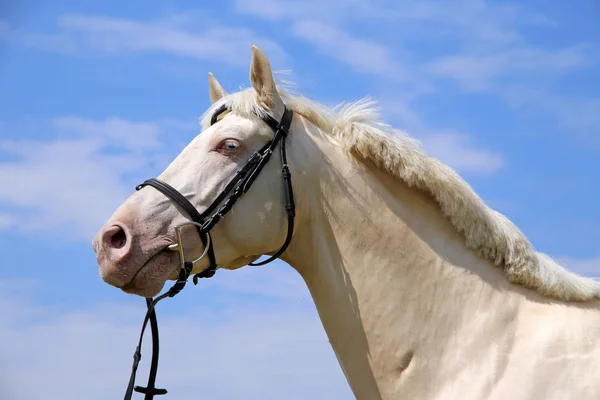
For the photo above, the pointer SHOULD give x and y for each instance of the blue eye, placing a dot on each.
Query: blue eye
(231, 145)
(228, 146)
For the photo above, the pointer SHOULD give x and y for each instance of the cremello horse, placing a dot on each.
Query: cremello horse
(424, 291)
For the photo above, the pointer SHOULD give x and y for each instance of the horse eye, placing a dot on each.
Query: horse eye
(229, 146)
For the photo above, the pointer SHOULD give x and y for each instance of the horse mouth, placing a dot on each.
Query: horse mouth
(152, 275)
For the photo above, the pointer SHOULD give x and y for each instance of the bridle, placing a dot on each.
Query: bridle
(204, 222)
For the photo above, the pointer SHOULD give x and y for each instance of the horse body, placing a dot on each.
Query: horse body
(423, 291)
(412, 313)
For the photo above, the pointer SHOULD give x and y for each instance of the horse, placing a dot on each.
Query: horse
(423, 290)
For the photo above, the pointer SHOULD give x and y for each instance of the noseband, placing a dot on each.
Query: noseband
(204, 222)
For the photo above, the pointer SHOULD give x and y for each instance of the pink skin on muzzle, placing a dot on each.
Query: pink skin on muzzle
(132, 258)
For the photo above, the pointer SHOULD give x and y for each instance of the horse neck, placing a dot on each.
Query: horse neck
(391, 279)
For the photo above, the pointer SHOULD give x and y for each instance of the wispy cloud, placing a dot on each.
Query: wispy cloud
(6, 221)
(484, 72)
(88, 159)
(333, 11)
(543, 20)
(476, 44)
(466, 19)
(4, 27)
(242, 350)
(360, 54)
(454, 148)
(103, 36)
(471, 22)
(587, 267)
(129, 135)
(278, 282)
(578, 116)
(321, 23)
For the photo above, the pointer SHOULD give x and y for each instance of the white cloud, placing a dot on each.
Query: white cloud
(360, 54)
(469, 20)
(543, 21)
(482, 72)
(578, 116)
(332, 11)
(74, 181)
(312, 22)
(6, 221)
(4, 28)
(451, 147)
(581, 115)
(401, 109)
(455, 150)
(98, 36)
(481, 45)
(279, 281)
(241, 350)
(129, 135)
(588, 267)
(474, 22)
(320, 23)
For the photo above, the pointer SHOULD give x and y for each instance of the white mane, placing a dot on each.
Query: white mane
(490, 234)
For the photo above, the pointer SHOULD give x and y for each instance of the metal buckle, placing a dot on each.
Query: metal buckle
(223, 207)
(254, 158)
(178, 246)
(284, 129)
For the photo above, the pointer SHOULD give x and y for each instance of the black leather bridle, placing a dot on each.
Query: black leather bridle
(204, 222)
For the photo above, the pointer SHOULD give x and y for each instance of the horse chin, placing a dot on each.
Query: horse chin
(153, 275)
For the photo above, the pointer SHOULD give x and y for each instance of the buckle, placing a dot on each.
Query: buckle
(284, 129)
(254, 157)
(221, 211)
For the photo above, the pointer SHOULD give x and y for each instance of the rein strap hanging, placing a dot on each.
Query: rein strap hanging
(239, 184)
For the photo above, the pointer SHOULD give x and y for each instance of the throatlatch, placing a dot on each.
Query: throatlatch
(240, 184)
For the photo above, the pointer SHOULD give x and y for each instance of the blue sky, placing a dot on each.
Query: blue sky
(96, 97)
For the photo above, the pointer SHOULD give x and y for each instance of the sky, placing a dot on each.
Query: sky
(97, 96)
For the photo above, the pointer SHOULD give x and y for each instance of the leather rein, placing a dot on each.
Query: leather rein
(204, 222)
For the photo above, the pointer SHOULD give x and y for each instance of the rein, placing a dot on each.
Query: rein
(239, 184)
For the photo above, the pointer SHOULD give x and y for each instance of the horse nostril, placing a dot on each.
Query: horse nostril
(118, 239)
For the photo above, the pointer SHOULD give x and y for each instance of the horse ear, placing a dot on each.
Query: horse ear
(262, 80)
(215, 90)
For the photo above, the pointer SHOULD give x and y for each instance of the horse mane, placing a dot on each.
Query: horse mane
(358, 128)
